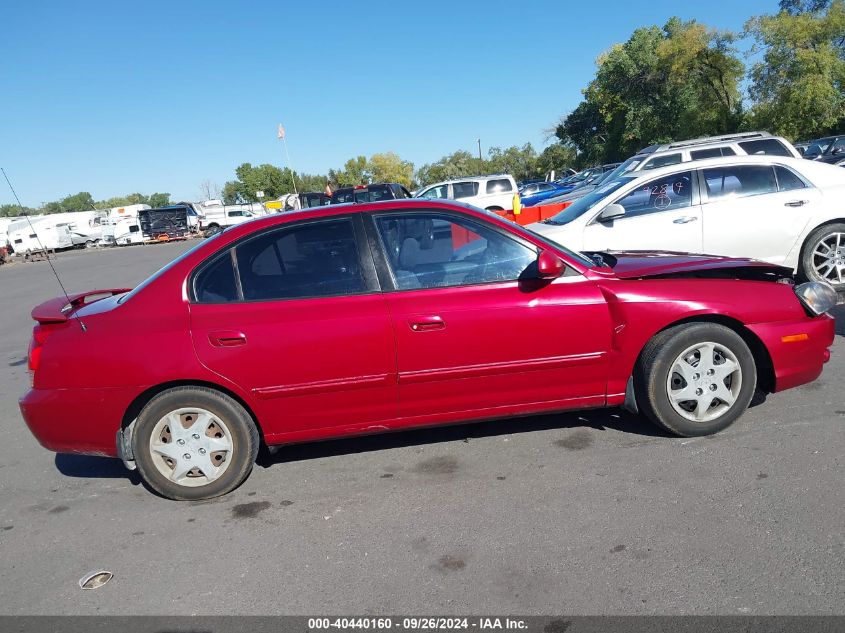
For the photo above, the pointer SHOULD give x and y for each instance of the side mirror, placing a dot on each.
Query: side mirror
(611, 212)
(549, 265)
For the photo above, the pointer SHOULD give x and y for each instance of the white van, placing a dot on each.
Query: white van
(494, 193)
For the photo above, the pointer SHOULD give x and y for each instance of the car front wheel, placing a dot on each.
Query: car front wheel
(194, 443)
(695, 379)
(823, 256)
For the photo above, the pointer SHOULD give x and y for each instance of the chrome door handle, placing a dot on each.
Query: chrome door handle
(685, 219)
(796, 203)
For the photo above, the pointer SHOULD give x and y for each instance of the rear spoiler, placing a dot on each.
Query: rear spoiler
(59, 309)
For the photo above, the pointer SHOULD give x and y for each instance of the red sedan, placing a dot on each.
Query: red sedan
(375, 317)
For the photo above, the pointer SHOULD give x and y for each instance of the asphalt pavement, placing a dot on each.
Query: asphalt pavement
(590, 513)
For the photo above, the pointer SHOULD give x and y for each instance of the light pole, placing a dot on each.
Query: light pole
(478, 140)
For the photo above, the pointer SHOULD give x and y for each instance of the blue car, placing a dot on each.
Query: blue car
(535, 193)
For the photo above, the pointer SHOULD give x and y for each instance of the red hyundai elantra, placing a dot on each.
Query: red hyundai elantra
(366, 318)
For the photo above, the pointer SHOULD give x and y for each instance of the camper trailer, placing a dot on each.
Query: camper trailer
(4, 230)
(37, 234)
(129, 211)
(86, 227)
(122, 232)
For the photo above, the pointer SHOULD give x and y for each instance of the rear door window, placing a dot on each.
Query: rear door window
(768, 146)
(311, 260)
(465, 189)
(788, 181)
(216, 282)
(500, 185)
(440, 191)
(739, 181)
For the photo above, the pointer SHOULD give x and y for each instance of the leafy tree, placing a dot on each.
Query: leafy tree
(13, 210)
(273, 181)
(799, 86)
(794, 7)
(456, 165)
(388, 167)
(678, 81)
(555, 157)
(520, 162)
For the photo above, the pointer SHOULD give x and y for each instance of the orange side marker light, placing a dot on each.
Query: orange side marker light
(794, 338)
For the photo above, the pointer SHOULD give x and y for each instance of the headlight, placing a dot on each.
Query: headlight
(817, 296)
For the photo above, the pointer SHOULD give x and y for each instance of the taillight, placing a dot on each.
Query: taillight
(36, 345)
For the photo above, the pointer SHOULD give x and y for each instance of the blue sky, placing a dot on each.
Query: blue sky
(114, 97)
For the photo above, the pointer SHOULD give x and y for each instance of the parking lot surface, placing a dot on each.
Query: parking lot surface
(582, 513)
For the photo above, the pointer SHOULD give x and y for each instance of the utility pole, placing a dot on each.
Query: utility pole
(478, 140)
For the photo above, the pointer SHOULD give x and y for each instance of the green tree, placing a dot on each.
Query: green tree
(799, 85)
(273, 181)
(794, 7)
(13, 210)
(519, 162)
(555, 157)
(389, 167)
(157, 200)
(674, 82)
(456, 165)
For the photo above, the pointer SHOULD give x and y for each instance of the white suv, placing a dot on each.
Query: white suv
(494, 193)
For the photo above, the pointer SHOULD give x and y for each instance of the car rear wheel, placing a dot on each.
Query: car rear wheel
(695, 379)
(194, 443)
(823, 256)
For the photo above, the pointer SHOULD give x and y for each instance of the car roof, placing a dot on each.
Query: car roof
(705, 140)
(817, 173)
(467, 178)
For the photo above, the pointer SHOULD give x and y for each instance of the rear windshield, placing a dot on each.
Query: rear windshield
(582, 205)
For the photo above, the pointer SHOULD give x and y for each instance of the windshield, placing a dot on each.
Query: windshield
(818, 147)
(629, 165)
(582, 205)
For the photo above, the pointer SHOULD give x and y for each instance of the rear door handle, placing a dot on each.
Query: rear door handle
(427, 324)
(685, 219)
(796, 203)
(227, 338)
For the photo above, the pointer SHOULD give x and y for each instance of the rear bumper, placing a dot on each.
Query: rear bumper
(798, 359)
(77, 420)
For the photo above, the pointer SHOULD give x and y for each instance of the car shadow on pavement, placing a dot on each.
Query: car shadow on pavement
(93, 467)
(599, 419)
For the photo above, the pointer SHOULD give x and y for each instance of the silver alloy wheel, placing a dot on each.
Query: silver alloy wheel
(704, 382)
(191, 447)
(829, 258)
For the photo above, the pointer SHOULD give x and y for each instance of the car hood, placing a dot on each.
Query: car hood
(639, 264)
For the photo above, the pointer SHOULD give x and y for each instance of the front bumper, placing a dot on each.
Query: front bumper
(798, 349)
(82, 421)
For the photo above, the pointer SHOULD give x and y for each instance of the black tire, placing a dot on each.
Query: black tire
(807, 265)
(494, 209)
(653, 368)
(244, 440)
